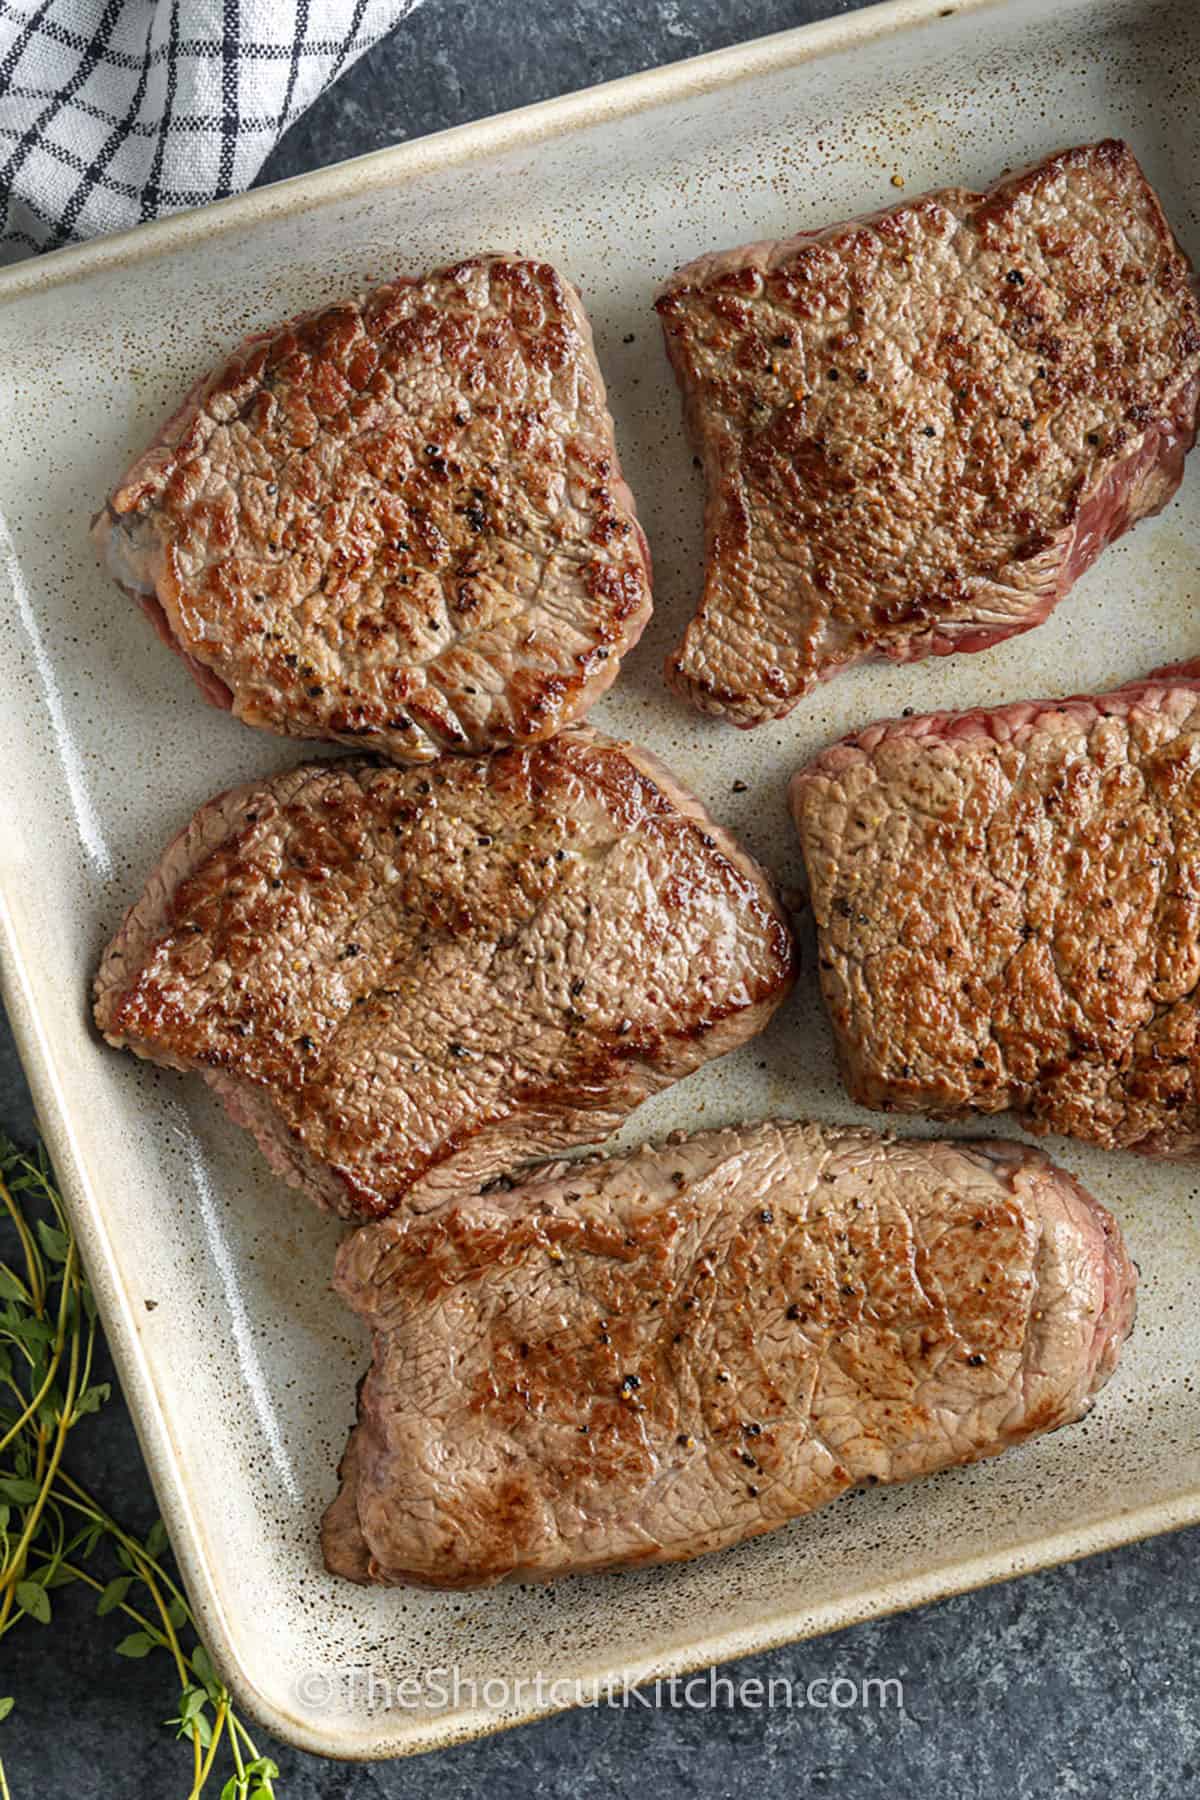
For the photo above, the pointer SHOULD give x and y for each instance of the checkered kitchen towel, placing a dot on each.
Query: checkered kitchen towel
(113, 111)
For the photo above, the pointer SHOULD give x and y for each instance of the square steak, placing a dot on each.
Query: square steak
(641, 1359)
(399, 522)
(407, 980)
(1008, 912)
(919, 428)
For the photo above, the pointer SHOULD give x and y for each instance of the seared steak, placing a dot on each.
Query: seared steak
(404, 980)
(920, 428)
(642, 1359)
(1008, 912)
(399, 522)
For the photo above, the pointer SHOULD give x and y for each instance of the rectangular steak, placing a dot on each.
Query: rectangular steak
(403, 980)
(642, 1359)
(399, 522)
(919, 428)
(1008, 911)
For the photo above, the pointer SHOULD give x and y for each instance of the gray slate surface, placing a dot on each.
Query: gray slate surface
(1081, 1682)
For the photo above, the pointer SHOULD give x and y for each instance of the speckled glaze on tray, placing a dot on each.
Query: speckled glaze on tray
(213, 1278)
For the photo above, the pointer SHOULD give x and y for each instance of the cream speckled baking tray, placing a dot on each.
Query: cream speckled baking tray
(241, 1375)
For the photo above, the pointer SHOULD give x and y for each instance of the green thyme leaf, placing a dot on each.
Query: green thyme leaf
(50, 1410)
(54, 1242)
(92, 1399)
(194, 1701)
(113, 1594)
(90, 1538)
(16, 1487)
(33, 1599)
(30, 1331)
(202, 1663)
(136, 1645)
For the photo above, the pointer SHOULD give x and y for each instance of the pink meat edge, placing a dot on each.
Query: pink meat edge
(1011, 723)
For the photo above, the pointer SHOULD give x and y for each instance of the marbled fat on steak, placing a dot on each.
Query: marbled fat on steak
(399, 522)
(919, 428)
(642, 1359)
(1008, 912)
(404, 981)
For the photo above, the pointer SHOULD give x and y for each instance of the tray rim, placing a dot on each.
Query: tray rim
(406, 162)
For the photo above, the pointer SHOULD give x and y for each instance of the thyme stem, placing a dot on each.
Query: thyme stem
(47, 1342)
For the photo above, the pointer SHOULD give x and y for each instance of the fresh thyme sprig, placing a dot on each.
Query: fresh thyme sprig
(51, 1529)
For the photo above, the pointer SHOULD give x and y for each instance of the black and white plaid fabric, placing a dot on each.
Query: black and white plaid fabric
(114, 111)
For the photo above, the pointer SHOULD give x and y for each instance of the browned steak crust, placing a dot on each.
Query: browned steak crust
(920, 428)
(640, 1359)
(1008, 910)
(399, 522)
(403, 980)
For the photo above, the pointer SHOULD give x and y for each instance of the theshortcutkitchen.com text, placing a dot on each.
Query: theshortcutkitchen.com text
(451, 1689)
